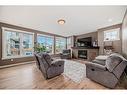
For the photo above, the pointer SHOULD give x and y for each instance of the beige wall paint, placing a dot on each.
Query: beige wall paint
(117, 45)
(124, 36)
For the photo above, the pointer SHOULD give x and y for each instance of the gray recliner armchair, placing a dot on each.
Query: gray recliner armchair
(49, 67)
(66, 54)
(108, 74)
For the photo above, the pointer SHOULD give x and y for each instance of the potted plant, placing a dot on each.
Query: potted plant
(39, 47)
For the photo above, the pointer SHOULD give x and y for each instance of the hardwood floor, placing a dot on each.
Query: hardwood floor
(29, 77)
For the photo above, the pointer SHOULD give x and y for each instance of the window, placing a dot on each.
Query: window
(12, 44)
(111, 35)
(27, 44)
(60, 44)
(47, 41)
(16, 43)
(69, 43)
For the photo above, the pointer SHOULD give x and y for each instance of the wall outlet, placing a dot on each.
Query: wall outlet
(12, 59)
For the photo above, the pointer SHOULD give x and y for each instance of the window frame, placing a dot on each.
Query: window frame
(69, 42)
(4, 48)
(56, 41)
(112, 30)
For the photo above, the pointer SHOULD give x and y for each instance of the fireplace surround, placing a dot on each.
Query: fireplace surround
(82, 54)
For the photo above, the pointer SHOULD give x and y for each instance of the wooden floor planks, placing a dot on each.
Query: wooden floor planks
(29, 77)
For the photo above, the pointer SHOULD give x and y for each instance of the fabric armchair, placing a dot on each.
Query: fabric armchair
(49, 68)
(57, 62)
(108, 74)
(94, 66)
(66, 54)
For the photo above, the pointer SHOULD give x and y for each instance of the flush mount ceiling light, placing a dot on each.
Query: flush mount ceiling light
(61, 21)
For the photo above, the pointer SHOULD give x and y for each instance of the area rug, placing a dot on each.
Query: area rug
(74, 70)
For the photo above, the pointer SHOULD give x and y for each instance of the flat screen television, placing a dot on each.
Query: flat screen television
(85, 42)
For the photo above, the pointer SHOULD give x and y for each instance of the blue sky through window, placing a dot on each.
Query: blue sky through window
(41, 39)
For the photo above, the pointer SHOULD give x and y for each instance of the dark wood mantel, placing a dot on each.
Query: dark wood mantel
(85, 47)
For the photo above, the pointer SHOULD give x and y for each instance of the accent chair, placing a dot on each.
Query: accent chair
(49, 67)
(107, 74)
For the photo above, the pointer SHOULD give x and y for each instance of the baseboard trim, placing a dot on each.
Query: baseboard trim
(6, 66)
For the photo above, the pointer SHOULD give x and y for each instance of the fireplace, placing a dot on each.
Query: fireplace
(82, 54)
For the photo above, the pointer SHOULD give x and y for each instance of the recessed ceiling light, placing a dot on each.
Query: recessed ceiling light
(61, 21)
(109, 20)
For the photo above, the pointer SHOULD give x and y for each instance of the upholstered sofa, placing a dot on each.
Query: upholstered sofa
(106, 72)
(49, 67)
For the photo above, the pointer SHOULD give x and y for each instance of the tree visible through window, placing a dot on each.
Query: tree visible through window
(47, 41)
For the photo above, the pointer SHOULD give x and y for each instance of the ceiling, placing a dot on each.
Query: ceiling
(79, 19)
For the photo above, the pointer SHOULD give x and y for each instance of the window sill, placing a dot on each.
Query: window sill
(111, 40)
(16, 57)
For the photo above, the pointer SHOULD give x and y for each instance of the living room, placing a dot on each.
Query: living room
(63, 47)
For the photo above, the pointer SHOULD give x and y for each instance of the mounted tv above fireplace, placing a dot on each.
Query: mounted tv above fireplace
(84, 42)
